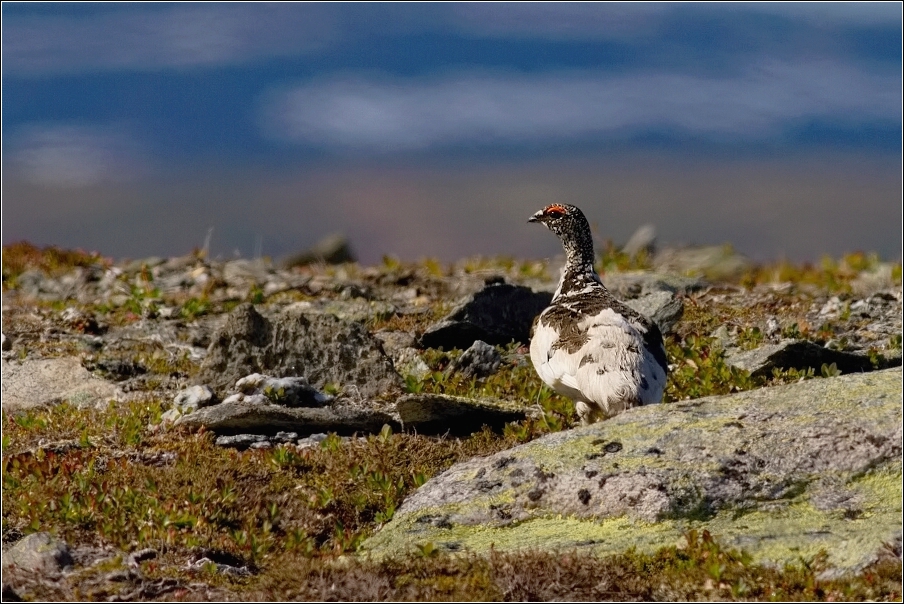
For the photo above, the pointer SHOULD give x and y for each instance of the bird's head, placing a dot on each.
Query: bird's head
(561, 219)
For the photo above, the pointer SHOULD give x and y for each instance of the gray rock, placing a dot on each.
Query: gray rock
(355, 309)
(782, 473)
(137, 557)
(255, 441)
(664, 308)
(40, 552)
(246, 273)
(643, 239)
(240, 441)
(722, 339)
(442, 413)
(498, 314)
(717, 262)
(7, 343)
(193, 398)
(332, 249)
(288, 391)
(796, 354)
(33, 383)
(480, 360)
(170, 416)
(244, 417)
(394, 340)
(632, 284)
(313, 440)
(321, 348)
(408, 362)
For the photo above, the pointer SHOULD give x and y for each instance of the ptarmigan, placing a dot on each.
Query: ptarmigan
(586, 344)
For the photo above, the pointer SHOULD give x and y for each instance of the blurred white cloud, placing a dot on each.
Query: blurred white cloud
(72, 156)
(630, 20)
(391, 115)
(162, 36)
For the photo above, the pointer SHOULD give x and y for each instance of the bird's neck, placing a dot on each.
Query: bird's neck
(579, 274)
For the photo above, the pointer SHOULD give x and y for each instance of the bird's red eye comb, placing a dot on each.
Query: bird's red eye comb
(555, 210)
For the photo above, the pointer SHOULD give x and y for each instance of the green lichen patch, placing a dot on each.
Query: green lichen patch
(782, 473)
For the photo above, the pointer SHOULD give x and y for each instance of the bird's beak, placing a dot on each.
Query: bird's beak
(535, 217)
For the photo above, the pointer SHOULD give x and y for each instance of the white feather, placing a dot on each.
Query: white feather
(608, 371)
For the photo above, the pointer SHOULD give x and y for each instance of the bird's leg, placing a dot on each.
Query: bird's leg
(584, 411)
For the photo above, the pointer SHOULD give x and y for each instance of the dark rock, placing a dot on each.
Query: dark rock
(10, 595)
(497, 314)
(332, 249)
(116, 369)
(441, 413)
(242, 417)
(480, 360)
(319, 347)
(797, 354)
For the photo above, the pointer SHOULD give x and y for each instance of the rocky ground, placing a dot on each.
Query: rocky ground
(186, 428)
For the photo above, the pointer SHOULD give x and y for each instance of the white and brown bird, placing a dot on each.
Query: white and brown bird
(587, 345)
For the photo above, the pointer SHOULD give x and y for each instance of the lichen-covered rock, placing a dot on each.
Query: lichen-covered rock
(780, 472)
(319, 347)
(497, 314)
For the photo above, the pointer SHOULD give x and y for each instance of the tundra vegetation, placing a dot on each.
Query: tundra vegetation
(284, 522)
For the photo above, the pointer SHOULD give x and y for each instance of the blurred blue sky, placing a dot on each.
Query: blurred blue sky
(139, 103)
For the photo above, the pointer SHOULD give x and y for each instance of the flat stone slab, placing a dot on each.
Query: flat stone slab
(442, 413)
(251, 417)
(35, 383)
(781, 472)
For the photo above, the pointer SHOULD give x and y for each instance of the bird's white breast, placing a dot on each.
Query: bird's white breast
(611, 368)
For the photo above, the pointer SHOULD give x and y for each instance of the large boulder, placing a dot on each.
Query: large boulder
(782, 473)
(319, 347)
(498, 314)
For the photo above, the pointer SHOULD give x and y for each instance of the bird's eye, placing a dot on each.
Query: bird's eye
(555, 211)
